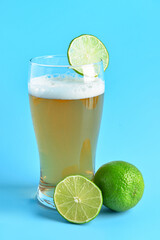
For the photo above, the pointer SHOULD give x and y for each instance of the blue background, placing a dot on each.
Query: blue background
(130, 129)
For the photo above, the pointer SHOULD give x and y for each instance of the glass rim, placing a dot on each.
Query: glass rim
(59, 65)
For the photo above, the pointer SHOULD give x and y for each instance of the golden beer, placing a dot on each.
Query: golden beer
(66, 110)
(67, 133)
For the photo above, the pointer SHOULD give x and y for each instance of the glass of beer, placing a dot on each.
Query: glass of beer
(66, 110)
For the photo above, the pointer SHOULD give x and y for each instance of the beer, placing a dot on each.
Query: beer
(66, 114)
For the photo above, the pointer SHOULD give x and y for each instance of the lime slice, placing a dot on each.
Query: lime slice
(77, 199)
(85, 50)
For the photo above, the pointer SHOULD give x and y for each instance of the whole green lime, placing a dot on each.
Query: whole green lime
(121, 183)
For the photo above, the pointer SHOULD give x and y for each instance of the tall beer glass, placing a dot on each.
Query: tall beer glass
(66, 110)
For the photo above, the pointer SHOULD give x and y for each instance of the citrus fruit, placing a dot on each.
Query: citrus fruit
(77, 199)
(85, 50)
(121, 184)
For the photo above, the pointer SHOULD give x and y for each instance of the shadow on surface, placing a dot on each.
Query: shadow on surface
(22, 200)
(45, 212)
(108, 212)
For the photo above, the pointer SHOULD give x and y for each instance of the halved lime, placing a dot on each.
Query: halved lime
(85, 50)
(77, 199)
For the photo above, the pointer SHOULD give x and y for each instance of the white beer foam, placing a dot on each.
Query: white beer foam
(65, 87)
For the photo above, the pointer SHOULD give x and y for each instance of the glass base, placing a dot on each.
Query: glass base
(45, 196)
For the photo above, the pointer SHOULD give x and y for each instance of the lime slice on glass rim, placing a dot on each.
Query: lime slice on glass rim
(87, 50)
(77, 199)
